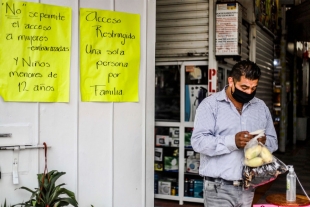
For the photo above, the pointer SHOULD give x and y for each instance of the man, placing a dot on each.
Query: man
(222, 125)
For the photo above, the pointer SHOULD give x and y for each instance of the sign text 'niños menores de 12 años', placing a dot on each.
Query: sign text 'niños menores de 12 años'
(35, 51)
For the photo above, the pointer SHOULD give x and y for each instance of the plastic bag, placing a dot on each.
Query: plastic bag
(257, 176)
(260, 166)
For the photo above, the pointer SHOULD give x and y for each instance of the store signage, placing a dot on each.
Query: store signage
(228, 29)
(212, 82)
(110, 55)
(35, 52)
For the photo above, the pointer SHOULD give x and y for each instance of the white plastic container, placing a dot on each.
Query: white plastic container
(291, 184)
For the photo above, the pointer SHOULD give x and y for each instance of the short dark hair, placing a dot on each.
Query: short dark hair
(245, 68)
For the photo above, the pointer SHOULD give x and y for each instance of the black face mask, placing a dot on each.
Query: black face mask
(241, 96)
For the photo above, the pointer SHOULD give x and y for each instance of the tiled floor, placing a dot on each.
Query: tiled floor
(298, 156)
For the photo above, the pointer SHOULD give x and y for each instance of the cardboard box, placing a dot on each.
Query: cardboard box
(187, 139)
(164, 187)
(158, 167)
(171, 164)
(174, 132)
(198, 188)
(174, 142)
(192, 164)
(162, 140)
(158, 154)
(190, 153)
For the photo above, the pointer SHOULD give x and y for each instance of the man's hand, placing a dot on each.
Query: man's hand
(241, 138)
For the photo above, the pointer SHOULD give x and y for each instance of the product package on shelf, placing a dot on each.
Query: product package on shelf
(193, 188)
(198, 188)
(155, 183)
(192, 164)
(174, 142)
(158, 167)
(174, 132)
(164, 187)
(187, 139)
(171, 163)
(162, 140)
(158, 154)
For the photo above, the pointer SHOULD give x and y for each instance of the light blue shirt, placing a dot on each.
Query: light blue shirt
(216, 123)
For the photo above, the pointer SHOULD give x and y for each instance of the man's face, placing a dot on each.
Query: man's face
(245, 85)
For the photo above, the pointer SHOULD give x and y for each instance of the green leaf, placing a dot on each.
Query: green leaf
(67, 201)
(4, 203)
(31, 191)
(48, 193)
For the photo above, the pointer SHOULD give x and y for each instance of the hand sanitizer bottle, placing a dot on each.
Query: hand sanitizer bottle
(291, 184)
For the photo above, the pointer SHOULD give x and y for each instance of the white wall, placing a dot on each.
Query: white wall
(106, 149)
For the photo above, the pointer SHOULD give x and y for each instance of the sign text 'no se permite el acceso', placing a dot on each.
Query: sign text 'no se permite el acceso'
(35, 51)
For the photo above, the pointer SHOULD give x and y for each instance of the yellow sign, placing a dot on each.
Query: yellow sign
(110, 56)
(35, 49)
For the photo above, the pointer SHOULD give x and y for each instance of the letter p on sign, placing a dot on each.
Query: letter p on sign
(212, 76)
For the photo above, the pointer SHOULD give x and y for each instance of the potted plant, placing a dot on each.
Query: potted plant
(48, 194)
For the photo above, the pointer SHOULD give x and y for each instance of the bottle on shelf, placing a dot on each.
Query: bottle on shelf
(186, 185)
(291, 184)
(173, 191)
(155, 183)
(191, 188)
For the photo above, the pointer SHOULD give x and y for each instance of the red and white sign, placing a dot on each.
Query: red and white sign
(212, 81)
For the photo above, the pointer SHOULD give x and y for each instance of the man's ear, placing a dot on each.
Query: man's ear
(230, 81)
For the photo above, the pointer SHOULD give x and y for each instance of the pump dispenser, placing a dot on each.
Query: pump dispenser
(291, 184)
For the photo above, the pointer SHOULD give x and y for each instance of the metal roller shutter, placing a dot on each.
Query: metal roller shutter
(182, 30)
(245, 41)
(264, 59)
